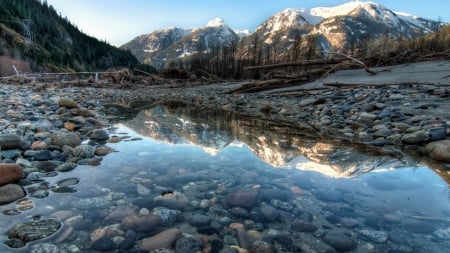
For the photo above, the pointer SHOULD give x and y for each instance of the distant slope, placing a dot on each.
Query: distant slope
(32, 32)
(163, 47)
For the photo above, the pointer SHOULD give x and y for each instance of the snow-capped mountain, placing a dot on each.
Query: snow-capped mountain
(344, 25)
(342, 28)
(164, 46)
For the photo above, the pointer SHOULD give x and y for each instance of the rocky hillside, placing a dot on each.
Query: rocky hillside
(163, 47)
(33, 37)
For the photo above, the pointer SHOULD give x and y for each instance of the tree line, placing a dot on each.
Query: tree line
(55, 43)
(228, 62)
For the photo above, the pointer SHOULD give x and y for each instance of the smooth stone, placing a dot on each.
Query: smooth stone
(416, 137)
(303, 226)
(10, 193)
(374, 236)
(187, 245)
(84, 151)
(39, 145)
(437, 134)
(439, 150)
(68, 182)
(46, 165)
(142, 190)
(269, 212)
(12, 154)
(269, 194)
(67, 102)
(66, 167)
(141, 223)
(242, 198)
(103, 150)
(10, 141)
(65, 139)
(165, 239)
(168, 216)
(99, 135)
(173, 200)
(34, 230)
(199, 220)
(339, 241)
(369, 116)
(10, 173)
(260, 246)
(420, 228)
(104, 244)
(239, 212)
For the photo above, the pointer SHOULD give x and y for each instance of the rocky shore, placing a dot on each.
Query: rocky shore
(49, 129)
(395, 119)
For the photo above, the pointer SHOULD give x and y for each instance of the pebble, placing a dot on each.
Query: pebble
(34, 230)
(141, 223)
(339, 241)
(10, 193)
(165, 239)
(173, 200)
(242, 198)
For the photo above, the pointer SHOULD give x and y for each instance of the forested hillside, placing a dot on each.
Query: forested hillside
(36, 38)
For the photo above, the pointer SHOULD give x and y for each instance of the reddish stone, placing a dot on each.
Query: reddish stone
(165, 239)
(9, 173)
(243, 198)
(141, 223)
(39, 145)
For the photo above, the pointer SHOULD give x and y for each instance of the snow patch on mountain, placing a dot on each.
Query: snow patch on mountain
(217, 22)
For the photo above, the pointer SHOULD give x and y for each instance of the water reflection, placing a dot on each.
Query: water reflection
(278, 146)
(240, 184)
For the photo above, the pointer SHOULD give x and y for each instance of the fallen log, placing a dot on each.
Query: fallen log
(298, 63)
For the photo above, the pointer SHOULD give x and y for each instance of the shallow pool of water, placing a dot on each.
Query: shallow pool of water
(290, 193)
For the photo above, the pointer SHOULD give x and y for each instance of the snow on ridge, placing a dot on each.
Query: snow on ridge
(216, 22)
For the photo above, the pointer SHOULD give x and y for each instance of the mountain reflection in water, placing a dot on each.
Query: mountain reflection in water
(278, 146)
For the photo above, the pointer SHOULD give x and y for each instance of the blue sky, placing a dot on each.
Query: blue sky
(119, 21)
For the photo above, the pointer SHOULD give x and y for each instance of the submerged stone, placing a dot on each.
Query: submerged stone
(34, 230)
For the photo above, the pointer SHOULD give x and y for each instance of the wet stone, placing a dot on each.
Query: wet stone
(10, 141)
(199, 220)
(374, 236)
(104, 244)
(10, 173)
(243, 198)
(10, 193)
(172, 200)
(84, 151)
(187, 244)
(99, 135)
(165, 239)
(66, 167)
(303, 226)
(339, 241)
(34, 230)
(239, 212)
(65, 139)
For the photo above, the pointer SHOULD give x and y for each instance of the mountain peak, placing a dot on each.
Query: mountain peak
(216, 22)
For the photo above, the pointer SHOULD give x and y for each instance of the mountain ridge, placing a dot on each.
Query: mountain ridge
(340, 27)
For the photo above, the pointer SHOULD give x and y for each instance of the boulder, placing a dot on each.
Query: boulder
(439, 150)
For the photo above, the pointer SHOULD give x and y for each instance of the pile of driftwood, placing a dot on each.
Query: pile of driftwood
(311, 70)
